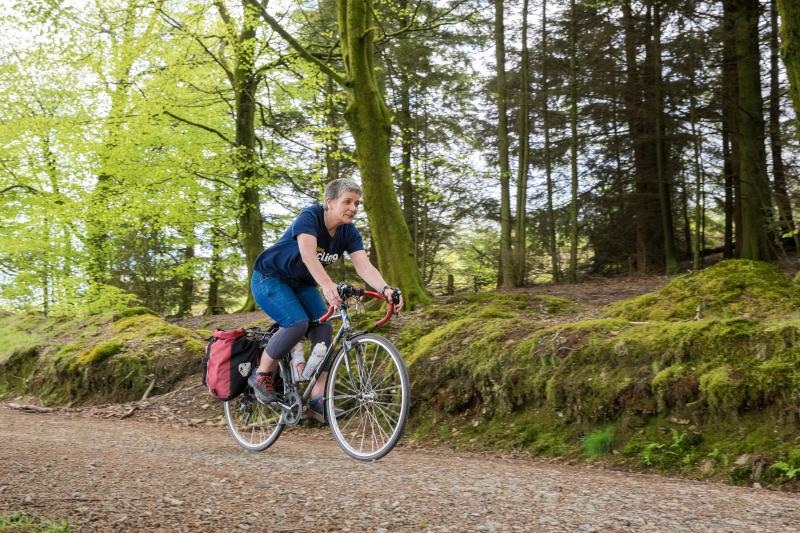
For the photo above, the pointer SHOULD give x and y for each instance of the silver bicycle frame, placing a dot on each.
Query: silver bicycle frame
(345, 343)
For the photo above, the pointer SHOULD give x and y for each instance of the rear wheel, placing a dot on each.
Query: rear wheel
(369, 389)
(254, 426)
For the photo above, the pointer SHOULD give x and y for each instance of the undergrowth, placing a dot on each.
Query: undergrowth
(113, 356)
(693, 378)
(19, 522)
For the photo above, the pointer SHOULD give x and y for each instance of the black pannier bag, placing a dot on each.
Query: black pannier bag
(229, 360)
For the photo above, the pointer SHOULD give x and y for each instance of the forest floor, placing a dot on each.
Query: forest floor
(189, 404)
(590, 296)
(133, 475)
(167, 463)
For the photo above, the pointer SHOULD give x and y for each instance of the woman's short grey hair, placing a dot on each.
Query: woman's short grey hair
(338, 187)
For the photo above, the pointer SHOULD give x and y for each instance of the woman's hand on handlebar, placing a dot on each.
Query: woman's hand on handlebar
(331, 293)
(394, 296)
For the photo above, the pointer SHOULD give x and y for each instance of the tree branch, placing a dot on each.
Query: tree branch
(218, 60)
(281, 61)
(26, 188)
(201, 126)
(272, 126)
(305, 54)
(213, 180)
(435, 23)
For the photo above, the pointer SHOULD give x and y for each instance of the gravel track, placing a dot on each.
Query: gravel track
(131, 475)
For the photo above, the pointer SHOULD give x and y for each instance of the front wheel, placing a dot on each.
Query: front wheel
(368, 388)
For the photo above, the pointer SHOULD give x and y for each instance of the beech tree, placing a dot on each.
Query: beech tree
(369, 121)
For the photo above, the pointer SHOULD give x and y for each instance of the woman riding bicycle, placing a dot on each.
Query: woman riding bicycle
(286, 276)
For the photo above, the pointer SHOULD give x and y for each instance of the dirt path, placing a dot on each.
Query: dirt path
(127, 475)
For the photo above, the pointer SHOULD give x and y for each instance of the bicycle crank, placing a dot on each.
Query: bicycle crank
(292, 408)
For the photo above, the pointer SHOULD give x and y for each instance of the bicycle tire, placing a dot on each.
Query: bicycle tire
(374, 399)
(268, 426)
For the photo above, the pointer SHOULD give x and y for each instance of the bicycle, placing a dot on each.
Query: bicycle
(368, 389)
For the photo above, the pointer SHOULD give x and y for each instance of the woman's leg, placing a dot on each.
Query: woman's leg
(279, 301)
(315, 307)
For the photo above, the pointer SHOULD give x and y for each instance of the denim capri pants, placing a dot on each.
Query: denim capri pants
(285, 302)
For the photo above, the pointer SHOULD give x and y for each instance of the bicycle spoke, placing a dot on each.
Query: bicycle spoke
(388, 374)
(361, 368)
(344, 396)
(376, 402)
(381, 431)
(371, 431)
(392, 421)
(349, 374)
(378, 424)
(345, 412)
(376, 369)
(352, 418)
(374, 358)
(392, 387)
(363, 431)
(386, 413)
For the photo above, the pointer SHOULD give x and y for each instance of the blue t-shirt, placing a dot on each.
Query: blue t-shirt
(283, 258)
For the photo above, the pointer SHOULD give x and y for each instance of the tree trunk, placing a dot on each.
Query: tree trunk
(97, 221)
(369, 121)
(776, 146)
(790, 50)
(645, 213)
(730, 132)
(404, 120)
(245, 84)
(187, 284)
(407, 141)
(214, 303)
(687, 226)
(619, 174)
(697, 256)
(332, 141)
(215, 270)
(551, 218)
(572, 273)
(524, 147)
(664, 185)
(506, 257)
(755, 188)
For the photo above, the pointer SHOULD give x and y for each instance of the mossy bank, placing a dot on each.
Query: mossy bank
(700, 378)
(102, 358)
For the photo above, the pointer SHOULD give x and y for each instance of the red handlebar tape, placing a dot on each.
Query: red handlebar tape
(379, 323)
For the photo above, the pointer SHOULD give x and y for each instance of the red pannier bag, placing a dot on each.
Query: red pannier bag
(230, 357)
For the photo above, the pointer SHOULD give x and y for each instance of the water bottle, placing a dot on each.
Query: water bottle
(315, 359)
(298, 362)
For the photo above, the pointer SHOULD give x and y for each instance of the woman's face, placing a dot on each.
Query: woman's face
(344, 208)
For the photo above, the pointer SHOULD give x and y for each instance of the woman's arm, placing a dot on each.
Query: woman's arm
(308, 253)
(371, 276)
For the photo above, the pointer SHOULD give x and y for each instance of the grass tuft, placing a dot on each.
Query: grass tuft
(23, 523)
(598, 443)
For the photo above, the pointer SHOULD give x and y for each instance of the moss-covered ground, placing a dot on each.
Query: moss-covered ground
(102, 358)
(699, 378)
